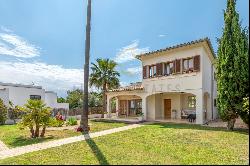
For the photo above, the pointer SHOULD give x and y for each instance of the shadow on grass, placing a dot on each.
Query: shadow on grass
(23, 141)
(199, 127)
(96, 151)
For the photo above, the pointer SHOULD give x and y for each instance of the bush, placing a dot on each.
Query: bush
(244, 114)
(3, 112)
(71, 122)
(36, 115)
(53, 122)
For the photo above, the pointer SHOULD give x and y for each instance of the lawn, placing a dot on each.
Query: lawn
(151, 144)
(12, 136)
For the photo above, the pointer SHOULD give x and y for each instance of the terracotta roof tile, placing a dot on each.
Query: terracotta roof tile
(131, 87)
(179, 46)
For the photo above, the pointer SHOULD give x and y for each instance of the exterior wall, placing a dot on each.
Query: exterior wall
(174, 83)
(151, 107)
(20, 95)
(209, 86)
(50, 99)
(4, 95)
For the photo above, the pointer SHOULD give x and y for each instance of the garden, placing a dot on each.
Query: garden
(37, 124)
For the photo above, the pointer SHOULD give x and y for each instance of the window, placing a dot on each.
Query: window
(191, 101)
(188, 65)
(35, 97)
(168, 68)
(152, 71)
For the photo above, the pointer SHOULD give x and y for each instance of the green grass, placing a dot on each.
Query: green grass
(12, 136)
(151, 144)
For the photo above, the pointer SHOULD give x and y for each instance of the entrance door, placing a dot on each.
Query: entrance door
(123, 107)
(167, 108)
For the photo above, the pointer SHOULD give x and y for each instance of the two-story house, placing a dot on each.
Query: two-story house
(176, 81)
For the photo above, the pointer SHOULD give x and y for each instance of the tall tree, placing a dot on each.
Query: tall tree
(84, 117)
(231, 67)
(104, 76)
(74, 98)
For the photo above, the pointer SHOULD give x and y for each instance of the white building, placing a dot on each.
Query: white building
(177, 81)
(19, 94)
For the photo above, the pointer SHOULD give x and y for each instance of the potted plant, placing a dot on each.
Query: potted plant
(141, 115)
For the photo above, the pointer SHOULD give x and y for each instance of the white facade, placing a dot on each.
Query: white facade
(177, 87)
(19, 94)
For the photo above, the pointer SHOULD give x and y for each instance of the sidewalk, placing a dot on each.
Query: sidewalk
(41, 146)
(3, 146)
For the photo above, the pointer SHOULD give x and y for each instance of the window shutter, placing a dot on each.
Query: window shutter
(178, 66)
(197, 63)
(174, 65)
(144, 71)
(159, 69)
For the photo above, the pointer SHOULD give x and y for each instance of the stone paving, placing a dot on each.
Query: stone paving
(41, 146)
(3, 146)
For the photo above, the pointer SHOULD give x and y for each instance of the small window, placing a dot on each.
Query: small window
(215, 103)
(188, 65)
(35, 97)
(152, 71)
(191, 101)
(168, 68)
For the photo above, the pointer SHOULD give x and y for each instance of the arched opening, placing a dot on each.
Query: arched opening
(125, 106)
(171, 106)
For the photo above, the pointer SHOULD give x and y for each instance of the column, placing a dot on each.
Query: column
(199, 107)
(117, 106)
(108, 108)
(144, 108)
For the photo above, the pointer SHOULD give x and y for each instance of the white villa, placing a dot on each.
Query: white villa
(19, 94)
(177, 81)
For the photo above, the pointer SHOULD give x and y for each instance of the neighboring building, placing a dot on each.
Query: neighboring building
(19, 94)
(177, 81)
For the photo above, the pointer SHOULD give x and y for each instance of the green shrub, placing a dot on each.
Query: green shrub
(55, 123)
(71, 122)
(244, 114)
(3, 112)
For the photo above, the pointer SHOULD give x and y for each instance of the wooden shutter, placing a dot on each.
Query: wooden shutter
(197, 63)
(174, 65)
(178, 66)
(144, 71)
(159, 69)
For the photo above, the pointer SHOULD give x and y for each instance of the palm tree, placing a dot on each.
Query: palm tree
(104, 76)
(84, 116)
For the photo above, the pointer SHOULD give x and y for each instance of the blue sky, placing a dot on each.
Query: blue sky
(42, 41)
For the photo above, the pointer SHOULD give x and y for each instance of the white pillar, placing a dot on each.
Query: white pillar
(199, 107)
(108, 108)
(117, 106)
(144, 107)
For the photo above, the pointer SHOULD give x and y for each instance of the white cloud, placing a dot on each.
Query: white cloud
(162, 35)
(129, 52)
(134, 70)
(51, 77)
(14, 45)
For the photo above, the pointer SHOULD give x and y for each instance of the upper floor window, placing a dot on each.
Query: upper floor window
(168, 68)
(152, 71)
(191, 101)
(188, 65)
(35, 97)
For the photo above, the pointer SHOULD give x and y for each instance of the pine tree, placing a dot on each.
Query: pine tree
(232, 67)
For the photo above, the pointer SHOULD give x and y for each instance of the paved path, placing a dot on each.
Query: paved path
(41, 146)
(3, 146)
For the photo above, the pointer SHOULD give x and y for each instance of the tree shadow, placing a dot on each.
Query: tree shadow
(23, 141)
(96, 151)
(199, 127)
